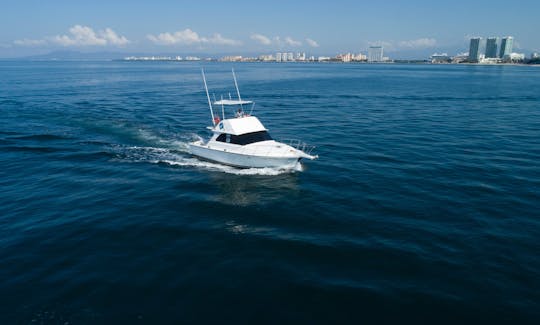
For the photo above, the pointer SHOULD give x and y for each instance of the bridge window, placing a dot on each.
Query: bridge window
(221, 137)
(244, 138)
(250, 138)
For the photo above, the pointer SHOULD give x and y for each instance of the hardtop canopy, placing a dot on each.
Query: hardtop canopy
(232, 102)
(239, 126)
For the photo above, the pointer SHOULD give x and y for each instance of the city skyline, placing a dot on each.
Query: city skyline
(244, 27)
(493, 49)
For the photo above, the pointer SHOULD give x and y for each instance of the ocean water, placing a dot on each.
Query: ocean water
(424, 205)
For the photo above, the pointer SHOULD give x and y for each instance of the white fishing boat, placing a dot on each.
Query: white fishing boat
(241, 140)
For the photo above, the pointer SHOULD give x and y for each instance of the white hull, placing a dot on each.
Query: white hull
(242, 160)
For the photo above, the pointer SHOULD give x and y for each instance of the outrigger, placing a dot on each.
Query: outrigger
(243, 141)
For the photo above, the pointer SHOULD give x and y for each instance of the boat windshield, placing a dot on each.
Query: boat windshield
(244, 138)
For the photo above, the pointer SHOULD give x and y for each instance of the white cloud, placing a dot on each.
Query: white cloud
(30, 42)
(277, 41)
(291, 42)
(261, 39)
(114, 38)
(220, 40)
(312, 43)
(421, 43)
(188, 37)
(85, 36)
(80, 35)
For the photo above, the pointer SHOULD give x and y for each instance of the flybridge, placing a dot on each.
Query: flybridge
(227, 102)
(232, 102)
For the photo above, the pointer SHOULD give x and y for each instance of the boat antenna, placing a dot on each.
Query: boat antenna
(237, 90)
(208, 97)
(222, 107)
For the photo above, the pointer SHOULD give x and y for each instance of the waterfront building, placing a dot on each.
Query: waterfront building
(440, 58)
(476, 49)
(516, 57)
(460, 57)
(278, 57)
(266, 57)
(359, 57)
(375, 54)
(231, 58)
(507, 44)
(492, 45)
(489, 60)
(290, 56)
(344, 57)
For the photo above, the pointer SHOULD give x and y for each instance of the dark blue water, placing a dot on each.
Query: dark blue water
(423, 206)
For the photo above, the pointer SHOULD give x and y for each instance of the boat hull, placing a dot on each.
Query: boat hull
(242, 160)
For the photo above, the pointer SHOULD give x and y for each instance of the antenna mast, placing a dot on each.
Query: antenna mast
(222, 108)
(236, 85)
(208, 97)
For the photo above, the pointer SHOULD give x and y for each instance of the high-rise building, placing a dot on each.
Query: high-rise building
(375, 54)
(476, 49)
(506, 46)
(290, 56)
(278, 57)
(492, 45)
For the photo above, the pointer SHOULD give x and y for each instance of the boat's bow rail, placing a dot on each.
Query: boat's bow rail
(298, 145)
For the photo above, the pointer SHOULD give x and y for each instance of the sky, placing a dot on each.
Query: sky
(404, 28)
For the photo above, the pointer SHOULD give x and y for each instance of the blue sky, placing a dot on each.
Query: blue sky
(317, 27)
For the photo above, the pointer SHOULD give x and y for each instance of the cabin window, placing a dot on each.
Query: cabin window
(250, 138)
(244, 138)
(221, 137)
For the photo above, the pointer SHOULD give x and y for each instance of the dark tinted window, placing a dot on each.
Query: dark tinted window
(250, 138)
(245, 138)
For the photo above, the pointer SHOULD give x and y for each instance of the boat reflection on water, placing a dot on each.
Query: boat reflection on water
(253, 190)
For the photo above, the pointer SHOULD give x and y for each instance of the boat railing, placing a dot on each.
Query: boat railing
(299, 145)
